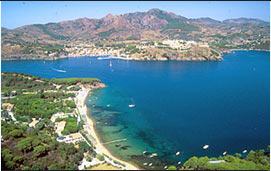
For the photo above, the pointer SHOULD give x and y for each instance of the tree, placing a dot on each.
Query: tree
(100, 157)
(54, 166)
(53, 145)
(18, 159)
(25, 144)
(38, 166)
(16, 133)
(10, 164)
(39, 150)
(26, 168)
(238, 155)
(172, 168)
(36, 142)
(7, 156)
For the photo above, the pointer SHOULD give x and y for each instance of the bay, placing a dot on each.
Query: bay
(179, 106)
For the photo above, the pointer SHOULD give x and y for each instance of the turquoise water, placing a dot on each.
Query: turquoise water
(180, 106)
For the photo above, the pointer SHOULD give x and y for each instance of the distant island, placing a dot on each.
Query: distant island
(45, 126)
(151, 35)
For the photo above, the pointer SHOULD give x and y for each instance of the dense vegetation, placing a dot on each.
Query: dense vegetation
(45, 29)
(73, 81)
(28, 148)
(70, 127)
(176, 24)
(255, 160)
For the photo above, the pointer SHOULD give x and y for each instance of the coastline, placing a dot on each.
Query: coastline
(101, 149)
(121, 58)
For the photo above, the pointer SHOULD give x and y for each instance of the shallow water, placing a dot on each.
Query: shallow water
(180, 106)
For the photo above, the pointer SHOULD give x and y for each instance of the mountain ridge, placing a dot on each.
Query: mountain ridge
(153, 25)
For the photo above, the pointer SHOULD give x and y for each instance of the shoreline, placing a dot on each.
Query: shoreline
(101, 149)
(130, 59)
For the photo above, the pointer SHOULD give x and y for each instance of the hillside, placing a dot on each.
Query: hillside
(41, 40)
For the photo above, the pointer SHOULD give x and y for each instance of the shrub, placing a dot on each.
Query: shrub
(100, 157)
(172, 168)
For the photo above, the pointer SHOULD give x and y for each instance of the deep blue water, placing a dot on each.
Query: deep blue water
(180, 106)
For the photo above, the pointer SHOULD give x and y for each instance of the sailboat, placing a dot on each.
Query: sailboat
(110, 64)
(133, 104)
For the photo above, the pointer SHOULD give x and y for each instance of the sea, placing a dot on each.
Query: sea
(179, 106)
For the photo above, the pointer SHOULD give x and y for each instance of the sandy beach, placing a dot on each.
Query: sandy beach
(100, 149)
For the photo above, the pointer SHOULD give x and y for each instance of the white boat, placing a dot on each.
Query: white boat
(145, 164)
(108, 105)
(150, 164)
(244, 151)
(132, 105)
(179, 162)
(205, 147)
(110, 64)
(178, 153)
(224, 153)
(165, 167)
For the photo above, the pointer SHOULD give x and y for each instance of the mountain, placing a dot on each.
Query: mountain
(240, 21)
(154, 25)
(206, 20)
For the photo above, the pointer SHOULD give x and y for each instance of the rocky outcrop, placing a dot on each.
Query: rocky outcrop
(195, 53)
(93, 85)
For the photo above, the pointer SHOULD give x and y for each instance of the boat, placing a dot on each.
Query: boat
(108, 105)
(132, 105)
(205, 147)
(244, 151)
(145, 164)
(178, 153)
(165, 167)
(179, 162)
(224, 153)
(150, 164)
(154, 155)
(110, 64)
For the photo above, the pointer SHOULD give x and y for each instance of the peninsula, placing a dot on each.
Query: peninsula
(34, 109)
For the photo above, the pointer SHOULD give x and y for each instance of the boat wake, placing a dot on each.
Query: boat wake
(58, 70)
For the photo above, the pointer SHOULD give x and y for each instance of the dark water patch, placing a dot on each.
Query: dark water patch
(120, 130)
(148, 163)
(147, 138)
(125, 147)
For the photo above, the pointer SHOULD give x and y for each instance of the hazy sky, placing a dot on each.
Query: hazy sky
(15, 14)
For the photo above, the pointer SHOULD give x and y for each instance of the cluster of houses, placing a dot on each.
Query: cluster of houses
(59, 127)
